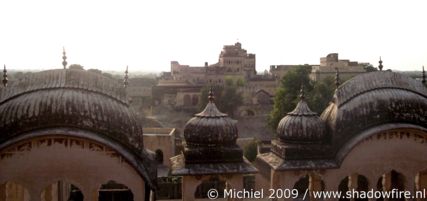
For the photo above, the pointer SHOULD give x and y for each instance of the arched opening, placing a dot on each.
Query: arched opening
(195, 100)
(159, 156)
(389, 181)
(61, 191)
(421, 181)
(343, 188)
(113, 191)
(302, 185)
(361, 184)
(213, 183)
(187, 100)
(11, 191)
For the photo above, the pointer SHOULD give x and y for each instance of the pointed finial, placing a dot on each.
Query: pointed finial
(381, 64)
(4, 76)
(337, 78)
(424, 76)
(211, 96)
(301, 92)
(126, 80)
(64, 58)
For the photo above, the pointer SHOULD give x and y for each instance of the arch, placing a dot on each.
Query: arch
(112, 190)
(128, 155)
(61, 190)
(159, 156)
(391, 180)
(361, 184)
(187, 100)
(421, 180)
(344, 187)
(346, 148)
(14, 191)
(195, 100)
(247, 113)
(302, 185)
(212, 183)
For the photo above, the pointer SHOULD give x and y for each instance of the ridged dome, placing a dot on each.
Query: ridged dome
(211, 137)
(373, 99)
(69, 98)
(210, 128)
(301, 126)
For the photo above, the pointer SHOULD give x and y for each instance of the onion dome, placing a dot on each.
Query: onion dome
(211, 133)
(210, 127)
(301, 125)
(69, 98)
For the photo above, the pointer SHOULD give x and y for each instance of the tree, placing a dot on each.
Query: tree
(317, 94)
(250, 151)
(369, 68)
(287, 93)
(227, 97)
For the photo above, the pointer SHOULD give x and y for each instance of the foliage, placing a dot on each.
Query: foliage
(227, 98)
(250, 151)
(287, 93)
(317, 94)
(370, 68)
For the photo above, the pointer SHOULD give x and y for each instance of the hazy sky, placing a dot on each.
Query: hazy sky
(147, 35)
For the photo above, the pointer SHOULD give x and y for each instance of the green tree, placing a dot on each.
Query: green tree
(369, 68)
(317, 94)
(287, 93)
(227, 97)
(250, 151)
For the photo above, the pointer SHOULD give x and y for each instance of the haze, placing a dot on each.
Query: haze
(147, 35)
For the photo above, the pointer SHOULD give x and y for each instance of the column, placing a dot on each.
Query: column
(315, 184)
(352, 183)
(386, 183)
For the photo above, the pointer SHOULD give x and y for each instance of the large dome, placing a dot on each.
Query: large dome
(69, 98)
(375, 99)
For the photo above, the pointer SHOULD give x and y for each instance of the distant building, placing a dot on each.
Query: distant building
(329, 65)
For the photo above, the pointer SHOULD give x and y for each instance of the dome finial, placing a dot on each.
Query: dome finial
(424, 76)
(337, 78)
(211, 96)
(126, 80)
(64, 58)
(301, 92)
(4, 76)
(381, 64)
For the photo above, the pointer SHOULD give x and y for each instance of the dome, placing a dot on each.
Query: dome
(374, 99)
(301, 125)
(211, 133)
(69, 98)
(210, 128)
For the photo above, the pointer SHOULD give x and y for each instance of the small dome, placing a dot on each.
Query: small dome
(301, 125)
(210, 127)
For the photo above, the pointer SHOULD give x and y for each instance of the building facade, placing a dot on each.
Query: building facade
(70, 134)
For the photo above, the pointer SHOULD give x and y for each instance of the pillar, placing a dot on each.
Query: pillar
(315, 184)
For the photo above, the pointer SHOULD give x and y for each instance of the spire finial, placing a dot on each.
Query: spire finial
(301, 92)
(337, 78)
(424, 76)
(64, 58)
(211, 96)
(4, 76)
(381, 64)
(126, 80)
